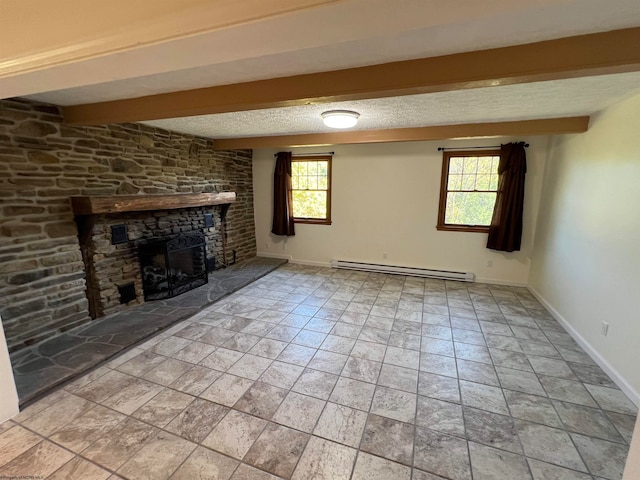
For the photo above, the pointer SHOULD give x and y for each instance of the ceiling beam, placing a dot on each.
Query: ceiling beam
(549, 126)
(595, 54)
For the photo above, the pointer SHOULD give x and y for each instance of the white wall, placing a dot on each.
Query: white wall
(8, 394)
(385, 199)
(586, 262)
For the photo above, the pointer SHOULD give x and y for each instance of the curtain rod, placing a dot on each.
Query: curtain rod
(309, 154)
(442, 149)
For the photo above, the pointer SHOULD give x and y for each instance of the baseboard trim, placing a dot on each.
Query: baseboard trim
(310, 263)
(273, 255)
(501, 282)
(618, 379)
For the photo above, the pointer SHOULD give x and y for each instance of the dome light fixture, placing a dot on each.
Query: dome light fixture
(340, 118)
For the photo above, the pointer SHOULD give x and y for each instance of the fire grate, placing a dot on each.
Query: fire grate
(173, 266)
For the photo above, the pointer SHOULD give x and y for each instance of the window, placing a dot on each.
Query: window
(468, 190)
(311, 188)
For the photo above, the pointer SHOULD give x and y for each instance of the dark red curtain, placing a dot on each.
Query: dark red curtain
(282, 197)
(505, 231)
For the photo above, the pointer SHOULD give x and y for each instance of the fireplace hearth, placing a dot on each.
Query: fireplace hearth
(173, 266)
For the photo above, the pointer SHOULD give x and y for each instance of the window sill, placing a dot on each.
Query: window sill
(462, 228)
(312, 221)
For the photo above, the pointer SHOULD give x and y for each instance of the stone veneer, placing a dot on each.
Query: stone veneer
(43, 162)
(115, 265)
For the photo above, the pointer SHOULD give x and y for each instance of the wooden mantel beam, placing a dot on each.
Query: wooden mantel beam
(93, 205)
(550, 126)
(594, 54)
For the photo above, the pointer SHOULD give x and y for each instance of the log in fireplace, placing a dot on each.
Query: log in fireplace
(172, 266)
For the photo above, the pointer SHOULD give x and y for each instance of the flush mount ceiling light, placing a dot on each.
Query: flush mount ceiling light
(340, 118)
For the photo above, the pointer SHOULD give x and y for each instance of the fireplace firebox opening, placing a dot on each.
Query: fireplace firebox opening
(173, 266)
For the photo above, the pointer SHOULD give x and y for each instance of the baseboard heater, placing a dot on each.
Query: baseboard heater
(411, 271)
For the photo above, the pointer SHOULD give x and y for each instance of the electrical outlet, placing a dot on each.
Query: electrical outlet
(604, 329)
(489, 263)
(267, 245)
(385, 255)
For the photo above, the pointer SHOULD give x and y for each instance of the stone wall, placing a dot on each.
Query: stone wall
(43, 162)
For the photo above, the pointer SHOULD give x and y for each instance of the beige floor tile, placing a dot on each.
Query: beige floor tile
(268, 348)
(197, 420)
(133, 396)
(250, 366)
(120, 444)
(167, 372)
(325, 460)
(158, 459)
(194, 353)
(245, 472)
(280, 374)
(222, 359)
(261, 400)
(196, 380)
(388, 438)
(235, 434)
(277, 450)
(164, 407)
(170, 345)
(58, 415)
(353, 393)
(79, 469)
(341, 424)
(141, 363)
(16, 441)
(104, 387)
(227, 389)
(205, 464)
(299, 411)
(86, 379)
(40, 405)
(41, 460)
(86, 429)
(369, 467)
(4, 426)
(316, 384)
(124, 357)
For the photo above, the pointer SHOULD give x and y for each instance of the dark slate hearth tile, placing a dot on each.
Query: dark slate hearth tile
(39, 382)
(37, 364)
(58, 344)
(86, 346)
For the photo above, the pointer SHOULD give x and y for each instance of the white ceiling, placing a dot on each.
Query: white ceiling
(558, 98)
(345, 34)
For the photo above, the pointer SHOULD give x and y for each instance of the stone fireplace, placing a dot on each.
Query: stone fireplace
(154, 246)
(44, 162)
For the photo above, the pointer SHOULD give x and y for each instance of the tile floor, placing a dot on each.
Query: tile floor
(313, 373)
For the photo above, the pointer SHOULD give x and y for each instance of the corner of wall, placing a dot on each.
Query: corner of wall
(8, 394)
(618, 379)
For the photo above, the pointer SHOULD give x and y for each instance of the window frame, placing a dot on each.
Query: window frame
(316, 221)
(444, 182)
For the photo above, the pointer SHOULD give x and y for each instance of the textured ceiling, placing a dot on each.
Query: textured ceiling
(558, 98)
(341, 35)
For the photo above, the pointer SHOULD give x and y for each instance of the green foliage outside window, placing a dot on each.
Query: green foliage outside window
(471, 190)
(310, 185)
